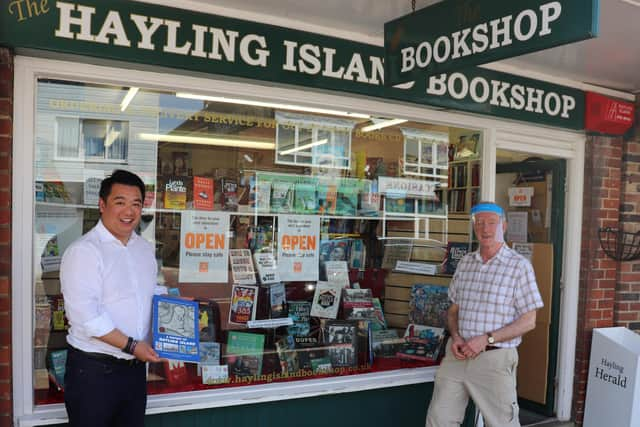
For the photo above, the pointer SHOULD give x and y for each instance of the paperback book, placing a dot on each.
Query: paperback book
(176, 332)
(327, 199)
(281, 197)
(422, 343)
(300, 312)
(267, 267)
(341, 338)
(326, 300)
(203, 193)
(175, 193)
(428, 305)
(244, 299)
(287, 354)
(455, 252)
(305, 200)
(277, 300)
(244, 353)
(229, 194)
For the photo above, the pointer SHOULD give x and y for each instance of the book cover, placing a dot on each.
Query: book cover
(300, 312)
(357, 255)
(229, 194)
(203, 193)
(281, 197)
(337, 273)
(259, 194)
(327, 199)
(58, 362)
(360, 298)
(176, 373)
(287, 354)
(277, 300)
(309, 348)
(242, 271)
(175, 193)
(208, 321)
(58, 319)
(347, 203)
(341, 338)
(209, 353)
(378, 322)
(428, 305)
(267, 267)
(305, 200)
(422, 343)
(386, 343)
(244, 353)
(244, 300)
(215, 374)
(326, 300)
(332, 250)
(455, 252)
(176, 333)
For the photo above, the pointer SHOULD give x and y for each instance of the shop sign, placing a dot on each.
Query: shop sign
(607, 115)
(298, 247)
(406, 187)
(153, 35)
(456, 34)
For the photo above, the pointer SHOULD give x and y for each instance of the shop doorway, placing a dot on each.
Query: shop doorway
(537, 230)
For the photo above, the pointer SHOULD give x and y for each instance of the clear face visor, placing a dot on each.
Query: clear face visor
(490, 220)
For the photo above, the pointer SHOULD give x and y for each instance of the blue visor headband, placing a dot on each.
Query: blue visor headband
(487, 207)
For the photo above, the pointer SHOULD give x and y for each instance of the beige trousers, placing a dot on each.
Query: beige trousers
(489, 379)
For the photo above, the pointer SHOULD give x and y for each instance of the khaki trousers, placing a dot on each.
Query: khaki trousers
(489, 379)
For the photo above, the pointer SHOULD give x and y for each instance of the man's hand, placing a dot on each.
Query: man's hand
(475, 346)
(145, 353)
(457, 346)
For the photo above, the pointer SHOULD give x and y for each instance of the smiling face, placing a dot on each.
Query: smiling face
(486, 226)
(121, 211)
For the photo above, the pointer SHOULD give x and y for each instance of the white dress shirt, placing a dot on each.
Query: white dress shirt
(108, 285)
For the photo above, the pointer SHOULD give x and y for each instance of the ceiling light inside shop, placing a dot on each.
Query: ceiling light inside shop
(379, 124)
(272, 105)
(222, 142)
(304, 147)
(128, 98)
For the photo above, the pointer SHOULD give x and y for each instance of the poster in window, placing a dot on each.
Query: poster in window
(298, 254)
(204, 249)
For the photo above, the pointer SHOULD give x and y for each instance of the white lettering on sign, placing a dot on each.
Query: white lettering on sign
(485, 36)
(501, 94)
(76, 23)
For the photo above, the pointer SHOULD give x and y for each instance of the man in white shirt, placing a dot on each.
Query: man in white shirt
(494, 297)
(108, 279)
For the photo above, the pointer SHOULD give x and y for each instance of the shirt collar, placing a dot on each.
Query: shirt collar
(501, 256)
(105, 235)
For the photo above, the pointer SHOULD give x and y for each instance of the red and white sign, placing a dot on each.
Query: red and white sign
(520, 196)
(607, 115)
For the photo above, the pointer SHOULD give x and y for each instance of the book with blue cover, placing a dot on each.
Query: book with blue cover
(176, 328)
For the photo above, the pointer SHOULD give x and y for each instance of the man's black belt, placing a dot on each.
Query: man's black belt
(491, 347)
(107, 358)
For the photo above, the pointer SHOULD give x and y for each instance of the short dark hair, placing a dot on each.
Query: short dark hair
(121, 176)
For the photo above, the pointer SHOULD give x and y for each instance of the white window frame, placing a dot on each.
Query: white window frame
(82, 156)
(496, 133)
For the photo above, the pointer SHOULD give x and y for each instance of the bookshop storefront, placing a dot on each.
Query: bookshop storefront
(310, 212)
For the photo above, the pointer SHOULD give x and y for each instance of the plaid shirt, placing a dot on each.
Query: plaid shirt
(492, 295)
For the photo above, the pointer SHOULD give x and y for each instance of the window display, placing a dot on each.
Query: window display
(283, 228)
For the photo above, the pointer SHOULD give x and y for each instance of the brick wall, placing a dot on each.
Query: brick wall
(598, 273)
(6, 126)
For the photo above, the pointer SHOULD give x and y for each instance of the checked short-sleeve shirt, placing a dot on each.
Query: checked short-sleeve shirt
(493, 294)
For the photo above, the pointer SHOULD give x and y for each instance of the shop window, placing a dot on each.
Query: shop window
(326, 240)
(91, 139)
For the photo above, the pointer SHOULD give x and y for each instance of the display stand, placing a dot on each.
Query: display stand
(613, 384)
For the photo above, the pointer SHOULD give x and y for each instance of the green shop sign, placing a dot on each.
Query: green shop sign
(457, 34)
(139, 32)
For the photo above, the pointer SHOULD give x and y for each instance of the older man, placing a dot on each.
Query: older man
(494, 297)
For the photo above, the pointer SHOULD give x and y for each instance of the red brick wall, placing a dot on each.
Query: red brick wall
(598, 272)
(6, 127)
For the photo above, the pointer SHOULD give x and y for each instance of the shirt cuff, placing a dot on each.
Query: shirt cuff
(100, 326)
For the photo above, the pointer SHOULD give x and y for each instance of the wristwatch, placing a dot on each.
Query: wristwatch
(490, 339)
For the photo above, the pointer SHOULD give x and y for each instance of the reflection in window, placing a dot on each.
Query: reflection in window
(92, 139)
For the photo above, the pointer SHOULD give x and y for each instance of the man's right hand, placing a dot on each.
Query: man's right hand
(146, 353)
(457, 346)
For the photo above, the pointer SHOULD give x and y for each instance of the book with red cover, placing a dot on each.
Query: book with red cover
(203, 193)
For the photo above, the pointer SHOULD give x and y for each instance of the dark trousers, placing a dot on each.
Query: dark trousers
(104, 392)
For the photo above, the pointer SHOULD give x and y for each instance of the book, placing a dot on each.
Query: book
(287, 354)
(58, 362)
(326, 300)
(281, 197)
(242, 271)
(176, 332)
(58, 319)
(259, 194)
(357, 255)
(386, 343)
(267, 267)
(175, 193)
(428, 305)
(356, 298)
(229, 200)
(244, 299)
(305, 200)
(209, 355)
(422, 343)
(347, 202)
(332, 250)
(300, 312)
(378, 322)
(337, 273)
(310, 349)
(244, 353)
(341, 339)
(203, 193)
(215, 374)
(327, 198)
(455, 252)
(208, 321)
(277, 300)
(176, 373)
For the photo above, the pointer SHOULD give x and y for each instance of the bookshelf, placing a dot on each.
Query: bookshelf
(463, 189)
